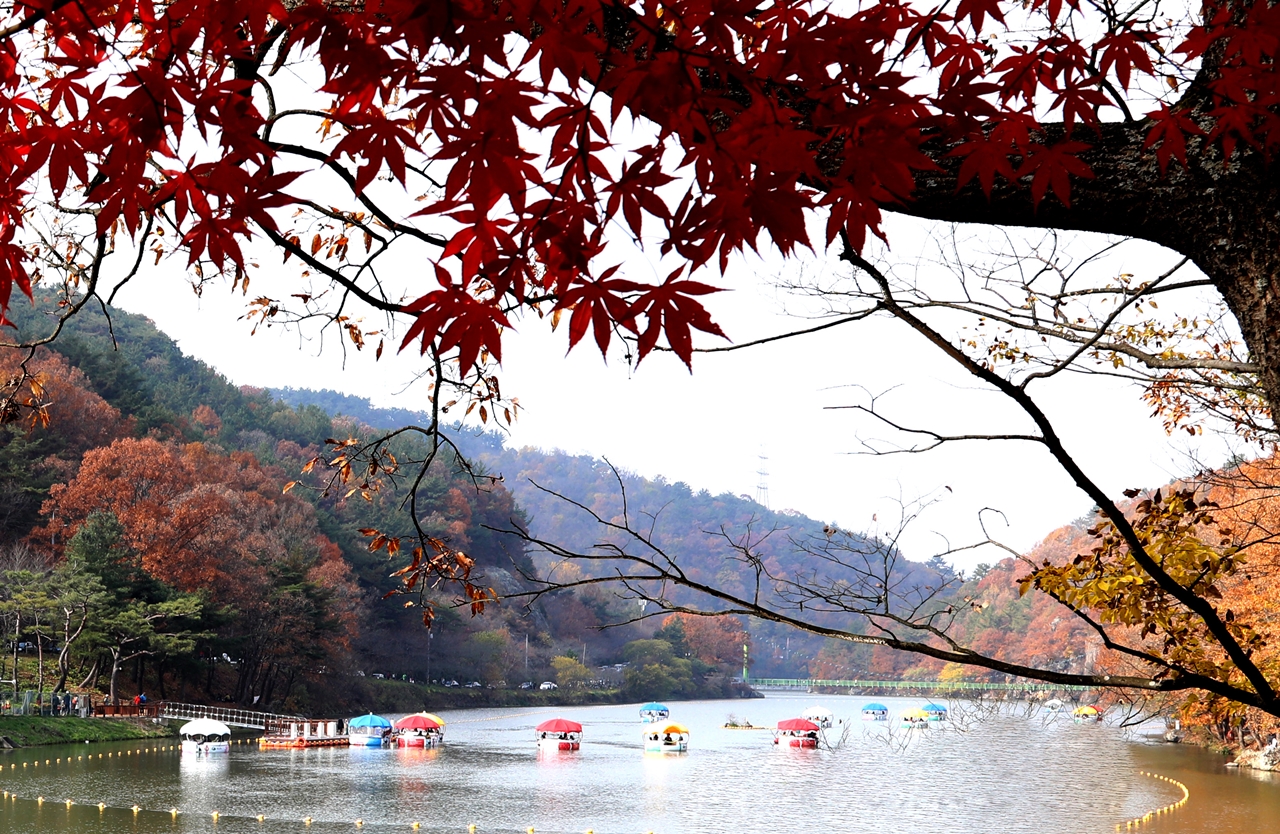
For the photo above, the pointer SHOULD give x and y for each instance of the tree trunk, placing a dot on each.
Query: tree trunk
(90, 680)
(115, 673)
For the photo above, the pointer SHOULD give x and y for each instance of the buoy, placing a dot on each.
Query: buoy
(215, 815)
(39, 800)
(472, 828)
(136, 809)
(68, 803)
(173, 812)
(261, 817)
(307, 820)
(359, 823)
(102, 806)
(416, 825)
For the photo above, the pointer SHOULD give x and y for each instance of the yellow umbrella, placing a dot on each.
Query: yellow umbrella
(673, 727)
(915, 713)
(1086, 710)
(433, 717)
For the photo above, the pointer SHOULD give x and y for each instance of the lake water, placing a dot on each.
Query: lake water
(987, 771)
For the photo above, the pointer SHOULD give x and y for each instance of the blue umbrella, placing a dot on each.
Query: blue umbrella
(935, 708)
(875, 708)
(653, 706)
(369, 720)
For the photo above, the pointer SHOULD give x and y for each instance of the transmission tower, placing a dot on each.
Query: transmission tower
(762, 486)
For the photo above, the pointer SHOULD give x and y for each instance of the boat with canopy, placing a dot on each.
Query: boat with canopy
(368, 731)
(666, 738)
(915, 719)
(559, 734)
(419, 730)
(653, 711)
(204, 735)
(875, 712)
(936, 712)
(821, 716)
(796, 732)
(1085, 714)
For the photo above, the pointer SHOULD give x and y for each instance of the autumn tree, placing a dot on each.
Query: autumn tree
(716, 641)
(198, 521)
(496, 142)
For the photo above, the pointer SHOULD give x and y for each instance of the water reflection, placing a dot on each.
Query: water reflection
(204, 767)
(990, 769)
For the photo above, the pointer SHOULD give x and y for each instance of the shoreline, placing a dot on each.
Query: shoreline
(19, 731)
(398, 696)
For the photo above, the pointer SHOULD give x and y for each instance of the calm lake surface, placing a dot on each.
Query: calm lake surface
(990, 770)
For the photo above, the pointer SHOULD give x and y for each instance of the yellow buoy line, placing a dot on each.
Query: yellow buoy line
(161, 748)
(1137, 822)
(102, 807)
(215, 815)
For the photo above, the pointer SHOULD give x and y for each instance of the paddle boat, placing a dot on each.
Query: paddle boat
(666, 738)
(936, 712)
(559, 734)
(1087, 714)
(1054, 706)
(875, 712)
(653, 711)
(796, 732)
(368, 731)
(204, 736)
(915, 719)
(821, 716)
(422, 729)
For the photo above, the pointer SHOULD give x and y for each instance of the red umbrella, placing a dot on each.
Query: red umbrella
(798, 725)
(559, 725)
(416, 722)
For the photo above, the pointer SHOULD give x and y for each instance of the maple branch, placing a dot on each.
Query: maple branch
(653, 566)
(350, 180)
(1201, 607)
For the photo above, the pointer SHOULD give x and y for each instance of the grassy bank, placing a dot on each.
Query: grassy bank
(29, 731)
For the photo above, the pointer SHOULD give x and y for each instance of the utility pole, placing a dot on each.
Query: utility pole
(762, 485)
(526, 654)
(745, 659)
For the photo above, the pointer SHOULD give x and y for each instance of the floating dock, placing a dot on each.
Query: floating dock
(304, 734)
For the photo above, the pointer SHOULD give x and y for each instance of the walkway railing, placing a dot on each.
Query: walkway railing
(933, 686)
(227, 715)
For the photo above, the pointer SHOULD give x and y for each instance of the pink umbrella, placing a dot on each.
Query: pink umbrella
(416, 722)
(798, 725)
(559, 725)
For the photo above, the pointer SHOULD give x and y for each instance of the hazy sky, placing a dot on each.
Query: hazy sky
(709, 428)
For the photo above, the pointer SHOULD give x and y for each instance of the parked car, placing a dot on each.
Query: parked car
(473, 685)
(547, 685)
(450, 683)
(527, 685)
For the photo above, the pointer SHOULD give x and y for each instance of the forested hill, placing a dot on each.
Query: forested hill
(696, 528)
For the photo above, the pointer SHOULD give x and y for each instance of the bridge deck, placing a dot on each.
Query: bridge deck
(957, 686)
(227, 715)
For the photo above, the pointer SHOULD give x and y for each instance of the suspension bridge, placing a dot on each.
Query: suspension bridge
(230, 716)
(808, 684)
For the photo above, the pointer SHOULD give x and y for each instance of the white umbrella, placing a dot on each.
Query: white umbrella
(817, 712)
(205, 727)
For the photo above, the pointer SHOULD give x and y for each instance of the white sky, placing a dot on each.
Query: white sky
(708, 429)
